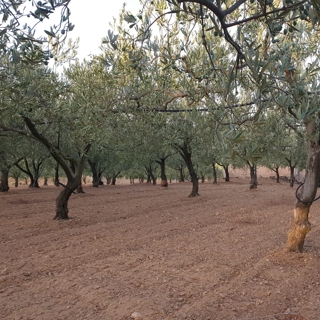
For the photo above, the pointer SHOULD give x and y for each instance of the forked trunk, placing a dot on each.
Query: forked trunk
(114, 178)
(214, 173)
(300, 225)
(4, 186)
(34, 182)
(253, 176)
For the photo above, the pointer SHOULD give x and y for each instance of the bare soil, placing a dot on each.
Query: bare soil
(144, 252)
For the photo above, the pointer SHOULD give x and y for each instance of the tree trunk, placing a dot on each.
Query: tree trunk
(226, 172)
(181, 174)
(253, 176)
(62, 200)
(114, 178)
(300, 225)
(164, 181)
(56, 176)
(292, 178)
(95, 178)
(202, 178)
(16, 182)
(214, 173)
(34, 183)
(186, 155)
(80, 189)
(150, 176)
(276, 170)
(45, 183)
(4, 185)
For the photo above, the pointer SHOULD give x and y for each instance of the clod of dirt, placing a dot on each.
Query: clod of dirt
(136, 315)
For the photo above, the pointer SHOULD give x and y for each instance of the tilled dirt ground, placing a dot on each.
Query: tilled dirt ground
(145, 252)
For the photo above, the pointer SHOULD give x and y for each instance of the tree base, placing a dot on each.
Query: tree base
(194, 195)
(300, 226)
(164, 183)
(59, 217)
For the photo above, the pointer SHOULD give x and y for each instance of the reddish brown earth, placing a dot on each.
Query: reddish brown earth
(144, 252)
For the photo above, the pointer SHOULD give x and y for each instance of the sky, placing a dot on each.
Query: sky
(92, 22)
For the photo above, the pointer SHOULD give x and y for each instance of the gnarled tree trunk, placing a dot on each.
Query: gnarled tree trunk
(253, 176)
(214, 173)
(276, 170)
(4, 185)
(292, 177)
(181, 174)
(114, 178)
(186, 155)
(164, 181)
(56, 176)
(63, 198)
(95, 177)
(300, 225)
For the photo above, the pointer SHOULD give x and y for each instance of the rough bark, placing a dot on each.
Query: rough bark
(4, 185)
(300, 225)
(253, 176)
